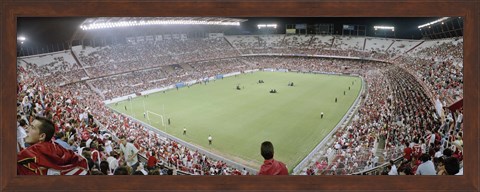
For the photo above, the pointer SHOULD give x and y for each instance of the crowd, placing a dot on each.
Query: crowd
(394, 115)
(84, 125)
(58, 71)
(130, 83)
(440, 67)
(121, 58)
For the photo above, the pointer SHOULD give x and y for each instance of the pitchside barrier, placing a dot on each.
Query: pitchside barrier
(193, 147)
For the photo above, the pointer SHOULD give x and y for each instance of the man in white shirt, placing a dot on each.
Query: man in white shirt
(427, 167)
(129, 152)
(21, 134)
(112, 161)
(459, 120)
(393, 170)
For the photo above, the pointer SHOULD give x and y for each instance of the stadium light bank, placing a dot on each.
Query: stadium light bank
(433, 22)
(21, 39)
(105, 25)
(267, 26)
(384, 27)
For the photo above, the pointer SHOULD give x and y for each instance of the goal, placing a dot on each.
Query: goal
(155, 119)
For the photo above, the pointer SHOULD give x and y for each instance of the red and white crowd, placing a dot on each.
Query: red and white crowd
(396, 117)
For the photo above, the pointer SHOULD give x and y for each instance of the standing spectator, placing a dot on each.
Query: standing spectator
(112, 161)
(271, 166)
(44, 157)
(152, 161)
(95, 154)
(459, 120)
(21, 134)
(129, 152)
(393, 169)
(407, 152)
(427, 167)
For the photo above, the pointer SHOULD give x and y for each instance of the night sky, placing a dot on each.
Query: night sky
(47, 31)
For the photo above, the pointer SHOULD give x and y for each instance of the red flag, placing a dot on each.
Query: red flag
(47, 158)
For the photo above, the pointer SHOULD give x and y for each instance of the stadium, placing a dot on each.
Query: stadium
(334, 98)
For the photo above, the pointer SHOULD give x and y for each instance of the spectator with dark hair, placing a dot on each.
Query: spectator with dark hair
(61, 140)
(393, 168)
(121, 171)
(21, 134)
(452, 166)
(271, 166)
(138, 173)
(152, 161)
(44, 157)
(104, 168)
(154, 172)
(447, 152)
(407, 152)
(112, 161)
(427, 167)
(129, 152)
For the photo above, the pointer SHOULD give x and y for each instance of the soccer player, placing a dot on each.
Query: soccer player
(271, 166)
(321, 115)
(209, 140)
(335, 99)
(184, 131)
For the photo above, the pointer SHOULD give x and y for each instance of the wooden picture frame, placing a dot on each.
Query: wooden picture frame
(11, 10)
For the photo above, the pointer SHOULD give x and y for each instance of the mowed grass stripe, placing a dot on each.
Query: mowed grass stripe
(239, 121)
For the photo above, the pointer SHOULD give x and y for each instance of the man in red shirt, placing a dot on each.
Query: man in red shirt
(45, 157)
(152, 161)
(271, 166)
(407, 152)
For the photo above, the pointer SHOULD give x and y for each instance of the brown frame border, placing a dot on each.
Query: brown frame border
(10, 10)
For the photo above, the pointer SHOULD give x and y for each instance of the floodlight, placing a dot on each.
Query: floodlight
(433, 22)
(266, 26)
(384, 27)
(156, 22)
(21, 38)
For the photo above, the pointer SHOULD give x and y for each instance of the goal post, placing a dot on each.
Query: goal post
(155, 118)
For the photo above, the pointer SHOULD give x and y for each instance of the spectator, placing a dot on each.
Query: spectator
(427, 167)
(122, 170)
(393, 168)
(50, 159)
(271, 166)
(129, 152)
(21, 134)
(112, 161)
(152, 161)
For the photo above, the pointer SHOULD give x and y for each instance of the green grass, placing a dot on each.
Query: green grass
(239, 121)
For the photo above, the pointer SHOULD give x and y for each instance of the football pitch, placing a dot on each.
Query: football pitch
(240, 120)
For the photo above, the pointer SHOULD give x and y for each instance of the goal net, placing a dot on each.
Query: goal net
(155, 119)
